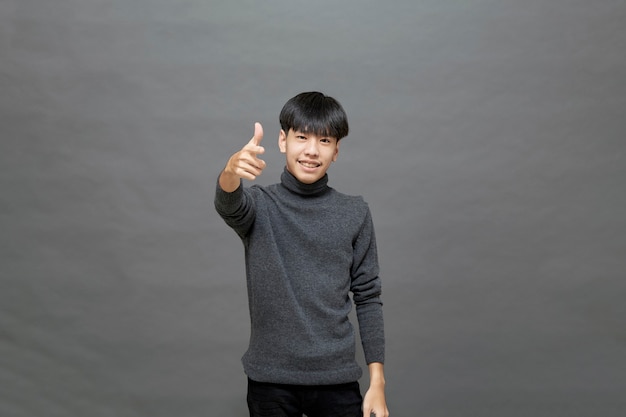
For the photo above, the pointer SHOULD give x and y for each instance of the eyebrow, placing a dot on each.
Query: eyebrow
(321, 136)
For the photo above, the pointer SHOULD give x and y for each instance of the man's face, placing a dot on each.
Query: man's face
(308, 156)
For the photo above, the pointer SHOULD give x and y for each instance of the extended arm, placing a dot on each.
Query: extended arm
(232, 202)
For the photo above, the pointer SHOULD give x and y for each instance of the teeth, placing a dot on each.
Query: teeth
(309, 164)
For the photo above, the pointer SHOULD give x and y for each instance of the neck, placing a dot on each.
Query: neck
(289, 181)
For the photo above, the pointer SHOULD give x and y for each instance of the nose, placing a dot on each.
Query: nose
(311, 148)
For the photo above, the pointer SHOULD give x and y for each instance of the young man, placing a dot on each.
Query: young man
(307, 247)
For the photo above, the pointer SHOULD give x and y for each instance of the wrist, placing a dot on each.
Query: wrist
(377, 375)
(377, 382)
(228, 181)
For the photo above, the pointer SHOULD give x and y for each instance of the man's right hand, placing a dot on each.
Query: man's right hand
(245, 163)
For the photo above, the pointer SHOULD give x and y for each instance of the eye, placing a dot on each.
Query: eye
(301, 137)
(326, 140)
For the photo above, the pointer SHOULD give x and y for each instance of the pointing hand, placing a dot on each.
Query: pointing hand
(245, 163)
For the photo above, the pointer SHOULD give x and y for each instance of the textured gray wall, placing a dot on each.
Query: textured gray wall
(489, 138)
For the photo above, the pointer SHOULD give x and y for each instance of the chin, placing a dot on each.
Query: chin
(304, 176)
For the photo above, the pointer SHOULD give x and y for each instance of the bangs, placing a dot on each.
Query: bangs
(314, 113)
(316, 126)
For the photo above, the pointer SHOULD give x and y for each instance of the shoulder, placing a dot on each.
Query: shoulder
(356, 200)
(257, 189)
(354, 205)
(262, 193)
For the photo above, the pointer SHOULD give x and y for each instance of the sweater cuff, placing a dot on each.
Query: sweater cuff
(371, 326)
(224, 199)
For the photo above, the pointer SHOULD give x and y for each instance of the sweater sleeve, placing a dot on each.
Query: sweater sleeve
(236, 208)
(366, 291)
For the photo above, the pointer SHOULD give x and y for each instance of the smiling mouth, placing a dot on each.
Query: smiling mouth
(310, 164)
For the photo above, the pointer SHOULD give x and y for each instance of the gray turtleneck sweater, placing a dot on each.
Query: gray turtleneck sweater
(307, 247)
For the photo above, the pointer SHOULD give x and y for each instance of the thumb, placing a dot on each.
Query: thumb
(258, 134)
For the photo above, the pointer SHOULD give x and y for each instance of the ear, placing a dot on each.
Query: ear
(282, 141)
(336, 152)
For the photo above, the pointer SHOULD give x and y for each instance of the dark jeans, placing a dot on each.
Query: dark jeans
(281, 400)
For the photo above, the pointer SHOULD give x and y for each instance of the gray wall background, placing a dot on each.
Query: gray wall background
(487, 136)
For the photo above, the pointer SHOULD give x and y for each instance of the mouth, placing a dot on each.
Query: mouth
(309, 164)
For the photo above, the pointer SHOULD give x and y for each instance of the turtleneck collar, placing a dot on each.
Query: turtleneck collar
(296, 186)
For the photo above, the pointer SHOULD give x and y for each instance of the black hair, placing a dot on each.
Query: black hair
(313, 112)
